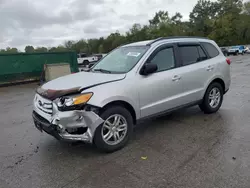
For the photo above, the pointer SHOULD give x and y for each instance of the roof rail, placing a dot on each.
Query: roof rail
(173, 37)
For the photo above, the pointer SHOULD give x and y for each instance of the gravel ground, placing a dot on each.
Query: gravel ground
(184, 149)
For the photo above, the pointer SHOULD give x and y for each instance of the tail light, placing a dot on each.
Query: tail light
(228, 61)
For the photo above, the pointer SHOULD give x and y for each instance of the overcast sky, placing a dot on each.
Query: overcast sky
(51, 22)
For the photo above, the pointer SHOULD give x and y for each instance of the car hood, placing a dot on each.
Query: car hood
(81, 80)
(77, 82)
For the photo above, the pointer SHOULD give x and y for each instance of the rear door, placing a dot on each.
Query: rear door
(197, 69)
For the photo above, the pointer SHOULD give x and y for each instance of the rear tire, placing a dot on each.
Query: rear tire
(109, 129)
(213, 98)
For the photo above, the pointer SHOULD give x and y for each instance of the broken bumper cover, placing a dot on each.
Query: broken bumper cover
(62, 122)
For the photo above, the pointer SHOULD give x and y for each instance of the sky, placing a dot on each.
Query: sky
(51, 22)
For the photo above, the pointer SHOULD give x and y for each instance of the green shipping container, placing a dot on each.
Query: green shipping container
(24, 66)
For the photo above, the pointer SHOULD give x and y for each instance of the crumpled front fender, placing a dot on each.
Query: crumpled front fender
(77, 119)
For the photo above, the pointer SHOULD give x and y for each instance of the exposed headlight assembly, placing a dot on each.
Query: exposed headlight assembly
(68, 103)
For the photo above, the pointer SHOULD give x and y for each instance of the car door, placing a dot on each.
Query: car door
(197, 69)
(159, 91)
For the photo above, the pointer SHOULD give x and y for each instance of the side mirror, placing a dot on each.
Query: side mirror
(148, 68)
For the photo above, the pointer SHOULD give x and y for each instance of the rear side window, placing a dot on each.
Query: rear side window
(192, 54)
(189, 54)
(211, 49)
(202, 54)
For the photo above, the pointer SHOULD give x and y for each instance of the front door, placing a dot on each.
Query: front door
(160, 91)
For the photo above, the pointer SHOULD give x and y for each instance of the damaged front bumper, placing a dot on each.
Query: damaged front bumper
(76, 125)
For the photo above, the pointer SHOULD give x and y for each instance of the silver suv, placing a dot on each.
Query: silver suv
(133, 82)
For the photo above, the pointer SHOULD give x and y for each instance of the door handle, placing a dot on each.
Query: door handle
(210, 68)
(176, 78)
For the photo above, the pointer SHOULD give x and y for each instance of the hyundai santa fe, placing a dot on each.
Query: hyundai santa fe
(132, 83)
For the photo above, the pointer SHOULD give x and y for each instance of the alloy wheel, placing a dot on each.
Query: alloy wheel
(214, 97)
(114, 129)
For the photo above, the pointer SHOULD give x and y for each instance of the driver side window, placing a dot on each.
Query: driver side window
(164, 59)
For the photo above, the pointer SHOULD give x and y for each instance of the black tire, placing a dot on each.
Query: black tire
(98, 139)
(205, 106)
(85, 62)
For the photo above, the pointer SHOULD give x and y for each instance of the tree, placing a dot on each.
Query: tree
(227, 29)
(176, 19)
(2, 51)
(11, 50)
(41, 49)
(53, 49)
(233, 7)
(160, 17)
(60, 48)
(93, 45)
(202, 17)
(100, 49)
(29, 49)
(81, 46)
(69, 44)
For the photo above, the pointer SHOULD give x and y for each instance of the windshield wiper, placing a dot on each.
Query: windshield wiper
(102, 70)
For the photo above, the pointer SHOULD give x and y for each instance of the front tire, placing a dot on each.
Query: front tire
(85, 63)
(116, 130)
(213, 98)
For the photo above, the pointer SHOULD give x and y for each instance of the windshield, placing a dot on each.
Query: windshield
(121, 60)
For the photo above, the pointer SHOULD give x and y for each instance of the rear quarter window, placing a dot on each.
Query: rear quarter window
(211, 49)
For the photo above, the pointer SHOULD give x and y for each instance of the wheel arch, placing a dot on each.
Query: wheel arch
(218, 80)
(86, 61)
(124, 104)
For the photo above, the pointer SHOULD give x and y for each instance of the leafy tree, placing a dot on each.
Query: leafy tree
(69, 44)
(41, 49)
(202, 17)
(81, 46)
(160, 17)
(100, 49)
(29, 49)
(11, 50)
(60, 48)
(53, 49)
(227, 29)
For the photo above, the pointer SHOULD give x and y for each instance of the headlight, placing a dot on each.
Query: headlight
(73, 102)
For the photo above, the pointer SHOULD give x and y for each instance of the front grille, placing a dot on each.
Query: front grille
(44, 105)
